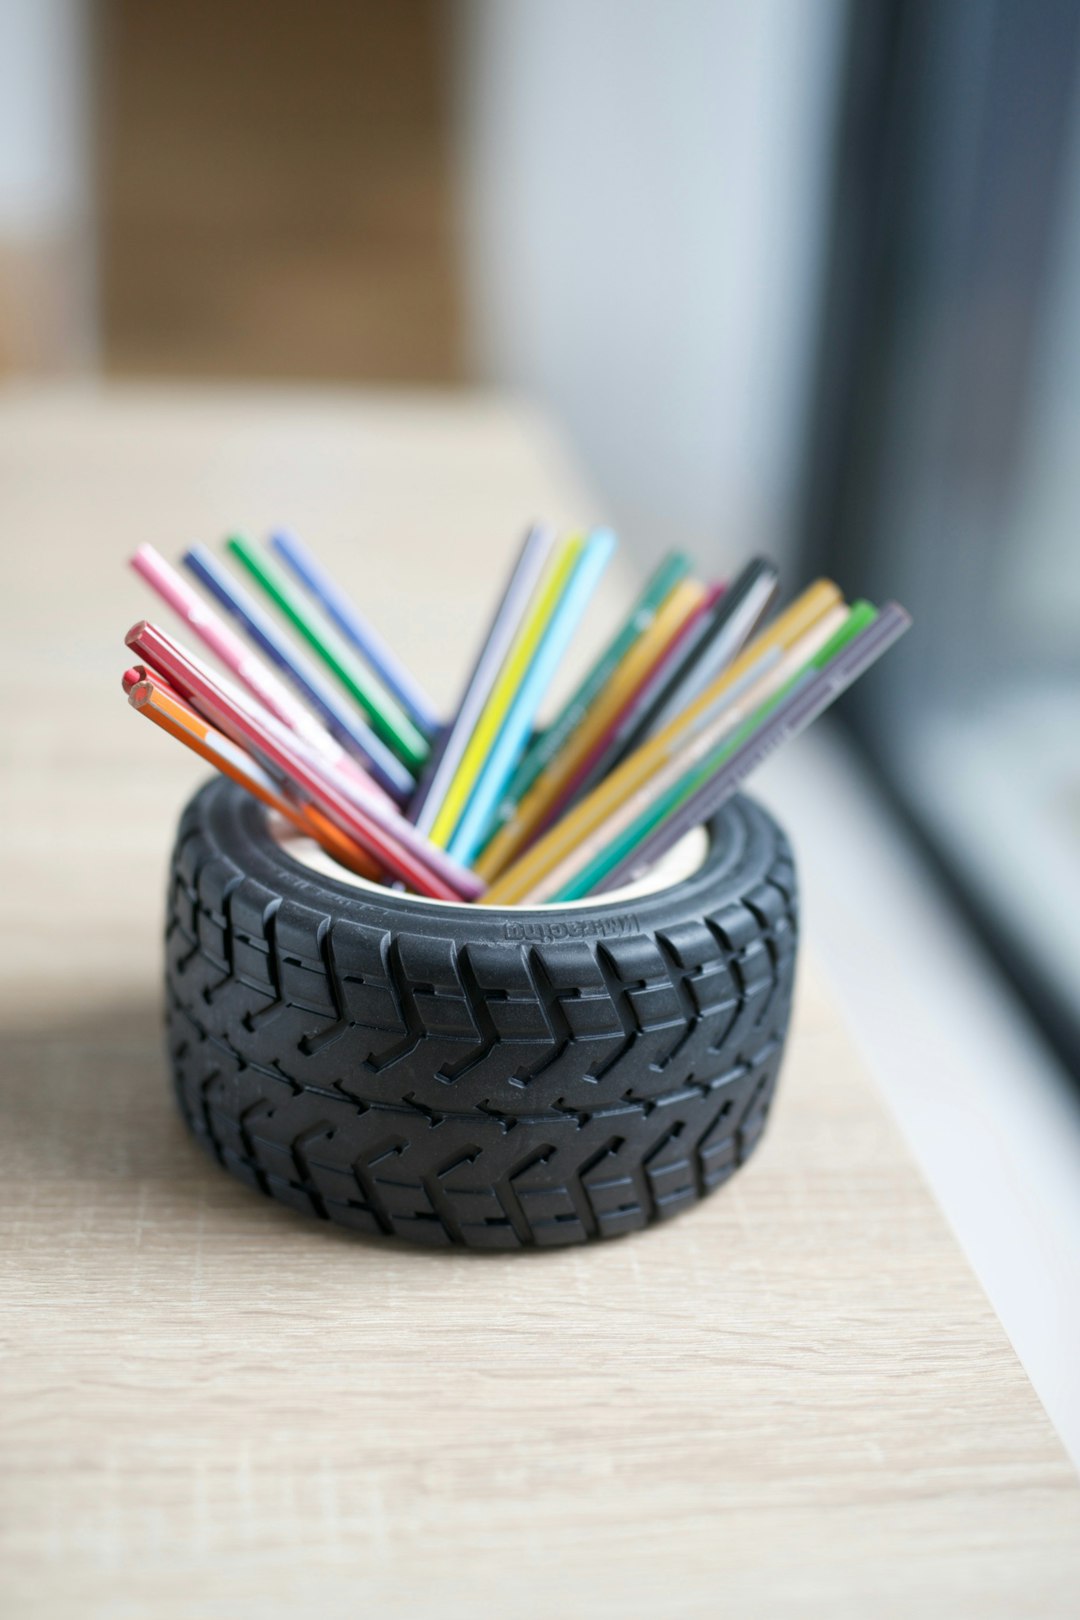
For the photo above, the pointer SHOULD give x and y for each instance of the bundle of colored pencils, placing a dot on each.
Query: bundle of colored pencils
(691, 693)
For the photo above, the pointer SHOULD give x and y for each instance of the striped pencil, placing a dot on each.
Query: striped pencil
(402, 852)
(156, 700)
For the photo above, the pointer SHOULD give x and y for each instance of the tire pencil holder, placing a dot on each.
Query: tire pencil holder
(497, 1079)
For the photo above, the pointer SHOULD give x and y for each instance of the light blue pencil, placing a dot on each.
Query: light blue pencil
(476, 821)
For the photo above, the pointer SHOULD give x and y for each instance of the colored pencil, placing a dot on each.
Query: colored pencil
(426, 870)
(139, 672)
(733, 620)
(542, 604)
(698, 798)
(683, 648)
(384, 714)
(552, 788)
(250, 670)
(499, 766)
(772, 671)
(272, 693)
(596, 862)
(682, 702)
(594, 763)
(358, 631)
(359, 792)
(540, 753)
(349, 728)
(156, 700)
(564, 835)
(447, 753)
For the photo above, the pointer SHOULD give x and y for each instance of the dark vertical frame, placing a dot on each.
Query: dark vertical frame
(953, 128)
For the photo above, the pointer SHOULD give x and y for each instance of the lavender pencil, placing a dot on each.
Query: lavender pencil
(448, 751)
(358, 631)
(808, 699)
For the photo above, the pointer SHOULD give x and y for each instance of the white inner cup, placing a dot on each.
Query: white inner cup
(680, 862)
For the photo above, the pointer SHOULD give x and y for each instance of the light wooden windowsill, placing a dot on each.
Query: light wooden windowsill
(792, 1400)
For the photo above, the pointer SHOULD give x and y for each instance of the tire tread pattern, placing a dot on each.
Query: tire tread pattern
(494, 1094)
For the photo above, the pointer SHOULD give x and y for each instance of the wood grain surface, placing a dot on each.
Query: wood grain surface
(792, 1401)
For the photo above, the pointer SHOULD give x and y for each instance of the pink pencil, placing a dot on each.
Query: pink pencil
(261, 682)
(395, 842)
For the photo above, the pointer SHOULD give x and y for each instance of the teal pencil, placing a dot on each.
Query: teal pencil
(552, 740)
(615, 855)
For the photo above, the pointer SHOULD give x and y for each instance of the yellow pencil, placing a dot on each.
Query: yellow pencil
(552, 584)
(549, 789)
(525, 874)
(714, 728)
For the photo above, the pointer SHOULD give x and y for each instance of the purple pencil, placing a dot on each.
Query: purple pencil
(802, 706)
(447, 753)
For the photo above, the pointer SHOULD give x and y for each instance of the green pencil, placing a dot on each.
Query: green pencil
(861, 615)
(542, 751)
(387, 717)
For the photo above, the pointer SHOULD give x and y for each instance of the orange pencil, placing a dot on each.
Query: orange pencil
(524, 875)
(158, 703)
(550, 790)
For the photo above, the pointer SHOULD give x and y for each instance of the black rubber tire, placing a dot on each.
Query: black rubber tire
(460, 1075)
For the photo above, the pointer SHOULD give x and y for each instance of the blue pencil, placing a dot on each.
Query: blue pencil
(476, 821)
(356, 629)
(342, 719)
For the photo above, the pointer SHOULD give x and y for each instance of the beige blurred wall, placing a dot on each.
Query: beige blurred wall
(273, 186)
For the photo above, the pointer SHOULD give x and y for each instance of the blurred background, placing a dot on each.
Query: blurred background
(800, 276)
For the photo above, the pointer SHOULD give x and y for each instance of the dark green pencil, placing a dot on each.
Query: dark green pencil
(387, 717)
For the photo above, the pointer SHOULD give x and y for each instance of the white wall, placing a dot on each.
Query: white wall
(46, 245)
(643, 191)
(42, 114)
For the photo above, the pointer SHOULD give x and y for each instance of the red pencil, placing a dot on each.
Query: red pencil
(429, 871)
(591, 766)
(139, 672)
(157, 700)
